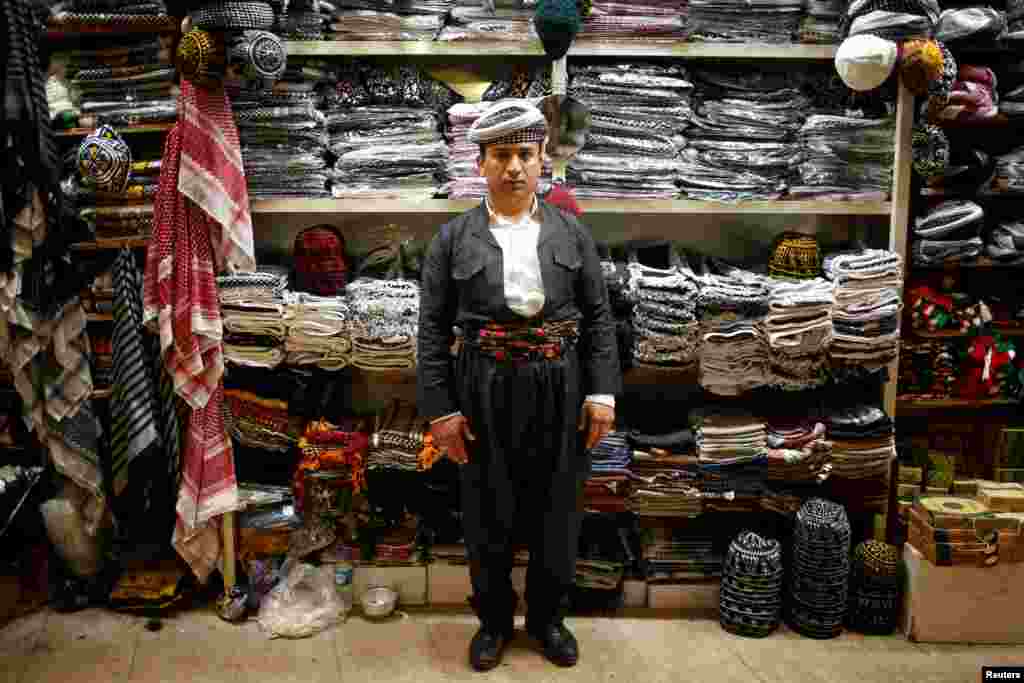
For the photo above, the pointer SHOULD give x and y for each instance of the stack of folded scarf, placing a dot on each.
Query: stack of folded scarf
(863, 448)
(798, 452)
(673, 554)
(259, 422)
(866, 317)
(385, 320)
(128, 84)
(731, 447)
(637, 114)
(758, 21)
(647, 19)
(1009, 175)
(396, 548)
(821, 22)
(252, 306)
(974, 98)
(397, 439)
(385, 129)
(124, 214)
(473, 20)
(319, 331)
(743, 144)
(608, 484)
(845, 157)
(891, 19)
(664, 475)
(388, 19)
(666, 330)
(111, 16)
(1005, 242)
(599, 574)
(798, 329)
(283, 134)
(928, 369)
(338, 450)
(734, 351)
(948, 232)
(301, 19)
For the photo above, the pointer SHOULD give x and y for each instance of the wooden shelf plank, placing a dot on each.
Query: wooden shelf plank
(99, 245)
(977, 263)
(99, 317)
(938, 403)
(141, 128)
(582, 48)
(102, 393)
(71, 31)
(673, 206)
(955, 334)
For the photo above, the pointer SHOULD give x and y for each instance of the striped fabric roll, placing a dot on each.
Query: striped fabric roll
(132, 404)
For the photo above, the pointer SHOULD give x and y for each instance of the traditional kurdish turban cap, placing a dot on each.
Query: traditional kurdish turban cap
(511, 122)
(104, 160)
(261, 55)
(201, 57)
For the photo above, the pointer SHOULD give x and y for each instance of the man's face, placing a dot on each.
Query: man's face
(512, 170)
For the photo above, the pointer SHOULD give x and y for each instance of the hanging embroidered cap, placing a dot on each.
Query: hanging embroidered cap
(104, 160)
(864, 62)
(511, 122)
(940, 89)
(237, 16)
(321, 267)
(259, 54)
(557, 23)
(931, 151)
(201, 57)
(920, 64)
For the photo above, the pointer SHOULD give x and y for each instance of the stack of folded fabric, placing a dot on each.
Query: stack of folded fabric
(1005, 243)
(664, 475)
(386, 20)
(385, 320)
(252, 306)
(396, 548)
(978, 25)
(932, 310)
(897, 20)
(819, 575)
(608, 484)
(750, 602)
(874, 588)
(948, 232)
(821, 21)
(128, 84)
(753, 21)
(798, 453)
(734, 351)
(301, 19)
(974, 98)
(673, 554)
(863, 448)
(102, 359)
(260, 422)
(319, 331)
(637, 114)
(599, 574)
(798, 329)
(473, 20)
(665, 325)
(732, 450)
(397, 439)
(111, 16)
(329, 449)
(845, 157)
(647, 19)
(385, 129)
(866, 317)
(928, 369)
(126, 214)
(743, 144)
(1009, 175)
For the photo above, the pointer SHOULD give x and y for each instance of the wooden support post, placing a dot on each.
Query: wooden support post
(228, 551)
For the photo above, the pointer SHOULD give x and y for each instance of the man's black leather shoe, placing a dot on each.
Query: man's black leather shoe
(486, 649)
(559, 644)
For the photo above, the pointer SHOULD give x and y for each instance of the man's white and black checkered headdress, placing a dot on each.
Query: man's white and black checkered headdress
(512, 122)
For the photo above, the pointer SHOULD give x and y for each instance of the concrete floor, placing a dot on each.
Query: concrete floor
(98, 646)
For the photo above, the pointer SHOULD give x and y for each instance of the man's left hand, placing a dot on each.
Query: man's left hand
(597, 420)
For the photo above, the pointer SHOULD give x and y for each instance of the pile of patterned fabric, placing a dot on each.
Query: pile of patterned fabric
(974, 98)
(798, 452)
(117, 212)
(732, 449)
(259, 422)
(85, 16)
(932, 310)
(949, 232)
(396, 548)
(673, 554)
(734, 352)
(821, 22)
(397, 438)
(385, 129)
(386, 318)
(319, 331)
(863, 448)
(1005, 242)
(252, 307)
(866, 316)
(472, 20)
(759, 21)
(1009, 175)
(743, 144)
(845, 157)
(387, 20)
(637, 114)
(647, 19)
(127, 84)
(798, 330)
(928, 369)
(283, 134)
(608, 484)
(664, 475)
(666, 330)
(301, 19)
(897, 21)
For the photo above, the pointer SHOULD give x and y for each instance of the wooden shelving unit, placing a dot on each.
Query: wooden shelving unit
(978, 263)
(956, 334)
(923, 404)
(138, 129)
(99, 317)
(100, 245)
(102, 393)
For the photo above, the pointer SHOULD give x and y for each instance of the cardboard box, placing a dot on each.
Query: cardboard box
(962, 604)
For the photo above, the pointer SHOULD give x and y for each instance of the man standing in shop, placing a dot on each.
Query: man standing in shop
(516, 285)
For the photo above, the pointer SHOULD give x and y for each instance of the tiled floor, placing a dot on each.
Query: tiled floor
(99, 646)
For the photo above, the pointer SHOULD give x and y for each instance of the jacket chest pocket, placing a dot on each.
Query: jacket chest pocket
(562, 273)
(472, 270)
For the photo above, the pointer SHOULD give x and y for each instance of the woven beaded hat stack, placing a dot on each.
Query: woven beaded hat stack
(819, 575)
(750, 602)
(231, 39)
(874, 588)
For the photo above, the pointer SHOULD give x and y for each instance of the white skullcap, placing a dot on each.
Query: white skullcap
(509, 122)
(865, 61)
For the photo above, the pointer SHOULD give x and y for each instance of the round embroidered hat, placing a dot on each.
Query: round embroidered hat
(260, 54)
(105, 160)
(511, 122)
(920, 64)
(795, 255)
(557, 23)
(864, 62)
(321, 267)
(201, 57)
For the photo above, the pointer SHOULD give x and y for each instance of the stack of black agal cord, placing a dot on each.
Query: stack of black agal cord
(874, 588)
(820, 570)
(750, 602)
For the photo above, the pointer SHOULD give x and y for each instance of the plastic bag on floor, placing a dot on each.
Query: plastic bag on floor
(303, 604)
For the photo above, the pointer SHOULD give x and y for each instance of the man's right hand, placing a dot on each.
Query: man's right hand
(450, 436)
